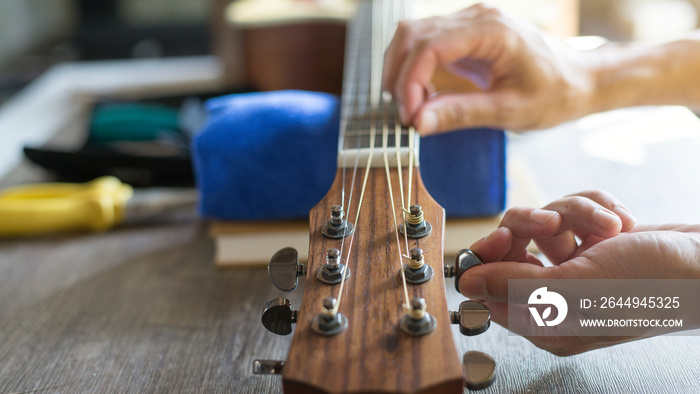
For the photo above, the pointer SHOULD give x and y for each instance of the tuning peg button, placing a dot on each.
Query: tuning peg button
(478, 370)
(465, 259)
(473, 318)
(278, 316)
(284, 269)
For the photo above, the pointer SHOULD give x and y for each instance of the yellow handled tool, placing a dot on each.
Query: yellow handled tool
(53, 207)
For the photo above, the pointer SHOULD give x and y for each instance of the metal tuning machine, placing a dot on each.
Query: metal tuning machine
(418, 321)
(284, 269)
(333, 271)
(337, 227)
(415, 226)
(267, 367)
(416, 271)
(474, 318)
(329, 322)
(278, 316)
(465, 259)
(478, 370)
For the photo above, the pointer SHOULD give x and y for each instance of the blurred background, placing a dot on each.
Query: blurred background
(36, 34)
(103, 79)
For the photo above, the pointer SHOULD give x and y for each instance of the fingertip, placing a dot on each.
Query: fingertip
(473, 287)
(427, 122)
(493, 246)
(409, 102)
(628, 220)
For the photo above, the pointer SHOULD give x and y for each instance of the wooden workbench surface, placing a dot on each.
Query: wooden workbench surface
(143, 310)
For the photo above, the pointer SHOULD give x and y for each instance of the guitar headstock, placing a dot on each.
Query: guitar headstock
(366, 346)
(373, 354)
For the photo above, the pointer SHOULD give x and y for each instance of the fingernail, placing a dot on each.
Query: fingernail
(605, 219)
(542, 216)
(428, 122)
(473, 287)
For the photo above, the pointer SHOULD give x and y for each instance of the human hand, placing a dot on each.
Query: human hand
(528, 80)
(611, 247)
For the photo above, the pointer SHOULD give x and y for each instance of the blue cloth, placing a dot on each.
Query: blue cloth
(272, 155)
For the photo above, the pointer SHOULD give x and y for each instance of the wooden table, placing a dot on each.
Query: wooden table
(142, 309)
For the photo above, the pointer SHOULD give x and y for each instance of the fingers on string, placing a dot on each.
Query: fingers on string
(433, 42)
(451, 111)
(408, 32)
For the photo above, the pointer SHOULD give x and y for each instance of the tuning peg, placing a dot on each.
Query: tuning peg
(465, 259)
(478, 370)
(278, 316)
(418, 321)
(284, 269)
(337, 227)
(267, 367)
(416, 271)
(415, 226)
(473, 318)
(329, 322)
(333, 271)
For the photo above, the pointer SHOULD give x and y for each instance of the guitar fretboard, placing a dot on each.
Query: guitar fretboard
(369, 121)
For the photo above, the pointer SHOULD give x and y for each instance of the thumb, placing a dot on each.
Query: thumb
(452, 111)
(490, 281)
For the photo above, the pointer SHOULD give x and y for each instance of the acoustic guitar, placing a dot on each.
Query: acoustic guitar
(374, 317)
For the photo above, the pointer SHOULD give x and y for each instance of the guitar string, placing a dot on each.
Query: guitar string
(411, 133)
(400, 12)
(372, 132)
(381, 36)
(353, 79)
(352, 75)
(376, 98)
(397, 14)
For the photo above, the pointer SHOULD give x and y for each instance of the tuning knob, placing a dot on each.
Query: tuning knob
(284, 269)
(278, 316)
(478, 370)
(267, 367)
(418, 321)
(473, 318)
(465, 259)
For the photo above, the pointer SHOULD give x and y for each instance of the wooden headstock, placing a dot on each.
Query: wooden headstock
(373, 354)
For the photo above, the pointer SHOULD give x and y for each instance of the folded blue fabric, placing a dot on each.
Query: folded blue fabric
(272, 155)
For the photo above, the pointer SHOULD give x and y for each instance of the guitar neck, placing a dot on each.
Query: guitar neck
(369, 121)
